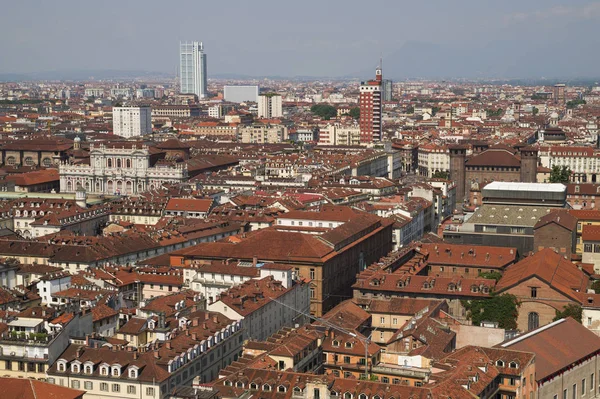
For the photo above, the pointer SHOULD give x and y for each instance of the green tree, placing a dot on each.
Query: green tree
(324, 111)
(494, 113)
(502, 309)
(441, 174)
(354, 112)
(560, 174)
(596, 286)
(571, 310)
(574, 103)
(435, 110)
(410, 110)
(535, 111)
(493, 275)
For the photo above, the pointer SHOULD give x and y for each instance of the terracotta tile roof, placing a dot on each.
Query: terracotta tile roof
(556, 346)
(550, 267)
(469, 255)
(560, 217)
(590, 233)
(401, 306)
(495, 158)
(189, 205)
(101, 312)
(348, 315)
(585, 214)
(27, 388)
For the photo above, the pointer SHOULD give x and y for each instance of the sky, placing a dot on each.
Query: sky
(433, 38)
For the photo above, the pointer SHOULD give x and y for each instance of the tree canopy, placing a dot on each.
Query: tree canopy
(570, 310)
(493, 275)
(574, 103)
(354, 112)
(502, 309)
(325, 111)
(441, 174)
(560, 174)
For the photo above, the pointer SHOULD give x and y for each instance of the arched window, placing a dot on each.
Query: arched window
(128, 163)
(109, 163)
(47, 162)
(533, 321)
(29, 161)
(11, 160)
(118, 163)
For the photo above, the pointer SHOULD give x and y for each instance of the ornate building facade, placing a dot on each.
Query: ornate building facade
(121, 169)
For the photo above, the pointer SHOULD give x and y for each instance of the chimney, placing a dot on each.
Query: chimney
(254, 260)
(135, 355)
(215, 319)
(195, 322)
(78, 352)
(168, 344)
(156, 355)
(206, 316)
(194, 336)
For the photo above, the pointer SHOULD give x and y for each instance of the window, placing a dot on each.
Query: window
(574, 391)
(347, 359)
(534, 292)
(587, 248)
(312, 274)
(131, 389)
(75, 384)
(312, 292)
(266, 388)
(88, 385)
(116, 387)
(281, 388)
(592, 382)
(104, 386)
(533, 321)
(394, 321)
(382, 320)
(149, 391)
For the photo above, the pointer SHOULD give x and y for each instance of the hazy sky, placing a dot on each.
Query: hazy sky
(306, 37)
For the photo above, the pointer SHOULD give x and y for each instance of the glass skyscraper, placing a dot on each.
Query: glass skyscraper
(192, 73)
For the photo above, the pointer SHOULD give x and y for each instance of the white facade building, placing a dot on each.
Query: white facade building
(336, 134)
(192, 73)
(119, 170)
(270, 106)
(132, 121)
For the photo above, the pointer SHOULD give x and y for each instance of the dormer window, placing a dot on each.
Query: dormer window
(61, 366)
(347, 395)
(133, 372)
(474, 288)
(281, 388)
(348, 345)
(500, 363)
(239, 384)
(336, 343)
(363, 396)
(513, 365)
(253, 386)
(116, 371)
(88, 369)
(228, 383)
(266, 388)
(103, 370)
(75, 368)
(297, 391)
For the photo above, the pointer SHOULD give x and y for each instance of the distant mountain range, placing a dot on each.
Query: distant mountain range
(80, 75)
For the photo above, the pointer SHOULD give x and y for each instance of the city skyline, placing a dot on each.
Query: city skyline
(509, 40)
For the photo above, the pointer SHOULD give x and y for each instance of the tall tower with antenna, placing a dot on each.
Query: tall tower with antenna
(370, 108)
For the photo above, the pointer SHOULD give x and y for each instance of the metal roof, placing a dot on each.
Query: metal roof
(514, 186)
